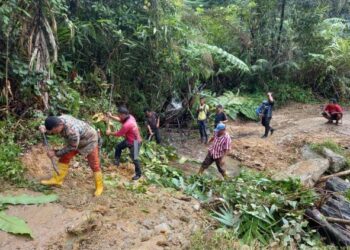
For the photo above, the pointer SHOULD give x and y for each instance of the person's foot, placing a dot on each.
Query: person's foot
(136, 177)
(329, 122)
(271, 131)
(264, 136)
(116, 163)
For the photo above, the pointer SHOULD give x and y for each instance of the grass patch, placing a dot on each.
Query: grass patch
(336, 148)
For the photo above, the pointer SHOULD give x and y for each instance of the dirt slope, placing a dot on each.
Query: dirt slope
(119, 219)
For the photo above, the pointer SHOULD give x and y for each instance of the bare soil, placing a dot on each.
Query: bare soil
(159, 218)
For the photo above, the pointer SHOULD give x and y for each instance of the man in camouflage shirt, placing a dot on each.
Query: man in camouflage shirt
(82, 139)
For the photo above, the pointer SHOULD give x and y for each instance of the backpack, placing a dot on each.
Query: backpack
(259, 109)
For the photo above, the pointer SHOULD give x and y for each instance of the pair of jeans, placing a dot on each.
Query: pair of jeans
(134, 150)
(157, 135)
(203, 130)
(265, 121)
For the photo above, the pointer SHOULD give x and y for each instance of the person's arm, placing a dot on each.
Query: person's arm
(116, 118)
(158, 122)
(270, 97)
(149, 130)
(73, 142)
(225, 118)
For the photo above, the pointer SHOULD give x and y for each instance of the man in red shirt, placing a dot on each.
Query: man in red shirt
(217, 150)
(131, 133)
(333, 112)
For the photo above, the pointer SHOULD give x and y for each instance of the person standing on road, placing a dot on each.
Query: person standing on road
(203, 113)
(221, 145)
(81, 139)
(132, 139)
(220, 116)
(333, 112)
(152, 124)
(265, 114)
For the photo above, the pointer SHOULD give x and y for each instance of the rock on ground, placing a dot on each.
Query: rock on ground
(309, 171)
(337, 162)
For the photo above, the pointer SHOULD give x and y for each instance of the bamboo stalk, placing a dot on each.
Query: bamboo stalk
(343, 173)
(338, 220)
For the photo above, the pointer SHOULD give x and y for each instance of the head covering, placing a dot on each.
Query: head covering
(52, 122)
(219, 127)
(123, 110)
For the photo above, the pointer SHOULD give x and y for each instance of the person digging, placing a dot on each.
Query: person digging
(81, 139)
(132, 139)
(221, 145)
(333, 112)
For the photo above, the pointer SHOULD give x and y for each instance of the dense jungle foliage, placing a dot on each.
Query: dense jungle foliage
(60, 55)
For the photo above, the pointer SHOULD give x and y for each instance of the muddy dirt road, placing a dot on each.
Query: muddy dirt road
(158, 219)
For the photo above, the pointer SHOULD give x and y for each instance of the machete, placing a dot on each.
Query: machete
(52, 159)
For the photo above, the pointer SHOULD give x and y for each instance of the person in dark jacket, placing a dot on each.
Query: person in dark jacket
(152, 124)
(266, 114)
(220, 116)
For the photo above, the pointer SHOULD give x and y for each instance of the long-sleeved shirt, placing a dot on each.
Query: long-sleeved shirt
(129, 130)
(79, 135)
(220, 145)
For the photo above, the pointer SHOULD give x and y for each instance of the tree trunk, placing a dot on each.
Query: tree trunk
(281, 27)
(334, 233)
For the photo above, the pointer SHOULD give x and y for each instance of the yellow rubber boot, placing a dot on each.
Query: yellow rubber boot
(57, 179)
(98, 183)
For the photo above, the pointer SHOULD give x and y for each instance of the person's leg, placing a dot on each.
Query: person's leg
(205, 132)
(327, 116)
(157, 135)
(265, 122)
(118, 152)
(63, 166)
(206, 163)
(94, 163)
(134, 155)
(337, 118)
(220, 165)
(201, 126)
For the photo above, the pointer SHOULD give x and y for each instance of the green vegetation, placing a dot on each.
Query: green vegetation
(253, 207)
(16, 225)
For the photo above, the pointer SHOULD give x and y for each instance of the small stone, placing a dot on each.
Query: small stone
(162, 228)
(162, 244)
(147, 224)
(197, 207)
(185, 219)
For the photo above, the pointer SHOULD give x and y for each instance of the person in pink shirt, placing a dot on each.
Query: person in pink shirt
(132, 138)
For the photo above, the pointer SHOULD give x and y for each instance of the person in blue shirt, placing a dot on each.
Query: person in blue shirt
(266, 114)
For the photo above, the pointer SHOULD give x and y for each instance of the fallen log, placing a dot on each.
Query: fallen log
(337, 184)
(336, 207)
(333, 234)
(343, 173)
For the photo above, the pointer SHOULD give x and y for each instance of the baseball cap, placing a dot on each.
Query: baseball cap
(219, 127)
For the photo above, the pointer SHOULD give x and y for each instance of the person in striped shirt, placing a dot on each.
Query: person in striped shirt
(221, 145)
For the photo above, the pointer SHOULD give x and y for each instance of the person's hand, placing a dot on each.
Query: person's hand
(108, 132)
(109, 114)
(51, 154)
(42, 129)
(269, 93)
(151, 133)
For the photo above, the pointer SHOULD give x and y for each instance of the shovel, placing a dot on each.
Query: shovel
(54, 166)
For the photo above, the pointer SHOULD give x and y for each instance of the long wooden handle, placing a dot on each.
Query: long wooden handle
(53, 162)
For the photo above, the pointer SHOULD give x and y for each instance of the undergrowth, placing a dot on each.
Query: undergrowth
(253, 207)
(335, 147)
